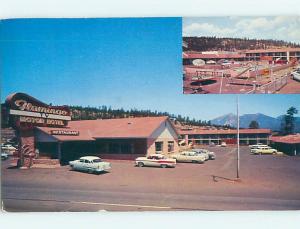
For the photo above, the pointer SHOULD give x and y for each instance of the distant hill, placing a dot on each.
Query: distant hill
(264, 121)
(104, 112)
(233, 44)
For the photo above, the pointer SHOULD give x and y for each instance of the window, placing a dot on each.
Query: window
(114, 148)
(97, 160)
(158, 146)
(86, 161)
(126, 148)
(170, 146)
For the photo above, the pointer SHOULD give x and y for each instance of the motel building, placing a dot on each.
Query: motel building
(279, 54)
(124, 138)
(46, 134)
(286, 54)
(229, 136)
(289, 144)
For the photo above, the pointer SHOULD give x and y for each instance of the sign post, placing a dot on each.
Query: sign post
(25, 113)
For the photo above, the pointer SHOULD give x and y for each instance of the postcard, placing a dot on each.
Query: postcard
(150, 114)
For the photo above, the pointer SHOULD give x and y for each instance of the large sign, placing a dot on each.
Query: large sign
(27, 112)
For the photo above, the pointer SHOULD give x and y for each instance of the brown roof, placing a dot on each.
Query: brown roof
(229, 131)
(141, 127)
(273, 50)
(211, 56)
(288, 139)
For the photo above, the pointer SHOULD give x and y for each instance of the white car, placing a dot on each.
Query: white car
(4, 156)
(210, 155)
(264, 150)
(223, 144)
(155, 160)
(8, 149)
(296, 75)
(257, 146)
(201, 152)
(90, 164)
(190, 156)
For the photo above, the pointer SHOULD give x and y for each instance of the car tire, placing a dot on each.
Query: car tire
(90, 171)
(71, 167)
(140, 164)
(163, 166)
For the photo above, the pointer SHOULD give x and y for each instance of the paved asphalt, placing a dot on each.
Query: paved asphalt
(267, 183)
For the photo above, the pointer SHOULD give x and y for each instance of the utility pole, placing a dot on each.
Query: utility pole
(238, 138)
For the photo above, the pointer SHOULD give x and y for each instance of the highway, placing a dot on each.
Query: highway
(268, 183)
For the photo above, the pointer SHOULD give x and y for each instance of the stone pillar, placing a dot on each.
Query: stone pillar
(26, 148)
(186, 138)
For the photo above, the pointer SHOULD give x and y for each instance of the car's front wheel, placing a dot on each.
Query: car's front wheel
(140, 164)
(163, 166)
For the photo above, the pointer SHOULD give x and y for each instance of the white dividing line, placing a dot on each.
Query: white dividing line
(94, 203)
(122, 205)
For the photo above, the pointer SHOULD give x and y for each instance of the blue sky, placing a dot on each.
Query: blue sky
(128, 63)
(272, 27)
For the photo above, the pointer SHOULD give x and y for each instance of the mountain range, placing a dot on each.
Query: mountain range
(264, 121)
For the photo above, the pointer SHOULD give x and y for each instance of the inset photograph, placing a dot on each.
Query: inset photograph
(241, 55)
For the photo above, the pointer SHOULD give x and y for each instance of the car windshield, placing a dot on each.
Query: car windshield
(97, 160)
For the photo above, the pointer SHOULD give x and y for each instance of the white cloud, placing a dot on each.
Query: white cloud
(195, 29)
(253, 24)
(281, 27)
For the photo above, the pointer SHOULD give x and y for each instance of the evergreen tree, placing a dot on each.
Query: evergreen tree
(254, 125)
(288, 125)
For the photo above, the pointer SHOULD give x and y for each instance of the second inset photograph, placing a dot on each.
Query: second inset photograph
(241, 55)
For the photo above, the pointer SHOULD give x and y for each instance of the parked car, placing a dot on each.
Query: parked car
(4, 156)
(264, 150)
(212, 144)
(190, 156)
(8, 146)
(223, 144)
(155, 160)
(201, 152)
(90, 164)
(210, 155)
(296, 75)
(9, 149)
(258, 145)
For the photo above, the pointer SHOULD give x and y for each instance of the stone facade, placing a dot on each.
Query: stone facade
(26, 150)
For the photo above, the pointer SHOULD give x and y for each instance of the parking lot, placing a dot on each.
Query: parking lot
(268, 182)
